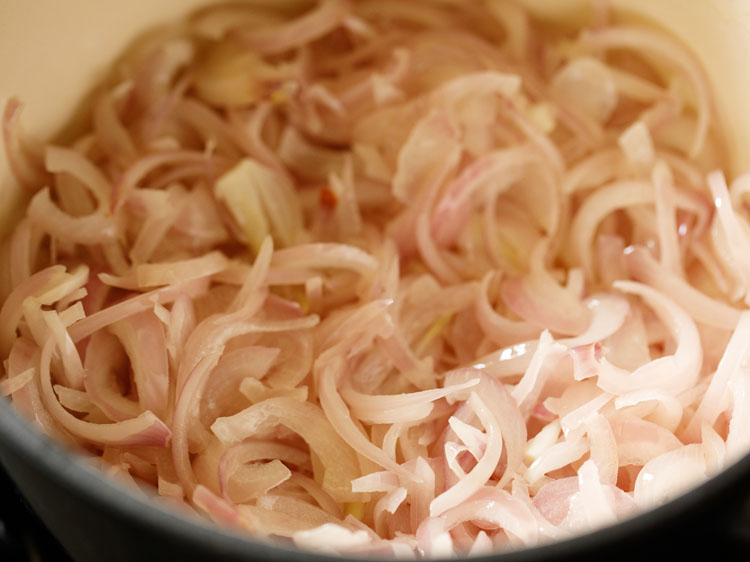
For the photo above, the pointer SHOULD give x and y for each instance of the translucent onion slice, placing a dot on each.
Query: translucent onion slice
(142, 336)
(712, 402)
(432, 138)
(399, 408)
(340, 419)
(11, 312)
(484, 468)
(319, 21)
(671, 373)
(16, 382)
(129, 307)
(104, 355)
(498, 328)
(640, 441)
(63, 160)
(507, 413)
(662, 46)
(321, 255)
(308, 421)
(89, 230)
(669, 474)
(737, 236)
(702, 308)
(146, 429)
(586, 85)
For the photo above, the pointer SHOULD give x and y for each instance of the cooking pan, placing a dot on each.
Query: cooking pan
(52, 52)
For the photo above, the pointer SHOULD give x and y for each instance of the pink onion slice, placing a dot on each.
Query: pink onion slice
(539, 299)
(669, 474)
(702, 308)
(737, 236)
(142, 336)
(61, 160)
(663, 46)
(310, 423)
(484, 468)
(640, 441)
(498, 328)
(146, 429)
(340, 419)
(129, 307)
(399, 408)
(103, 356)
(711, 403)
(12, 309)
(671, 373)
(319, 21)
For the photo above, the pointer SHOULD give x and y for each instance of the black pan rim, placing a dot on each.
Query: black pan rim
(72, 471)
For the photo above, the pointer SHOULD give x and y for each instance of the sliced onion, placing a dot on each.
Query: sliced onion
(11, 312)
(90, 230)
(637, 145)
(234, 366)
(61, 160)
(668, 411)
(16, 382)
(146, 429)
(499, 508)
(219, 510)
(75, 400)
(591, 498)
(140, 303)
(338, 256)
(103, 356)
(701, 307)
(142, 336)
(608, 314)
(299, 225)
(339, 460)
(640, 441)
(663, 46)
(604, 201)
(400, 408)
(671, 373)
(242, 484)
(527, 389)
(319, 21)
(737, 236)
(331, 538)
(432, 138)
(484, 468)
(557, 456)
(604, 454)
(669, 244)
(669, 475)
(339, 416)
(539, 299)
(507, 413)
(501, 168)
(499, 329)
(71, 360)
(738, 437)
(586, 85)
(155, 274)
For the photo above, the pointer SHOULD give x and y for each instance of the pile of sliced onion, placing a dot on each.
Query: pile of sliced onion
(391, 278)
